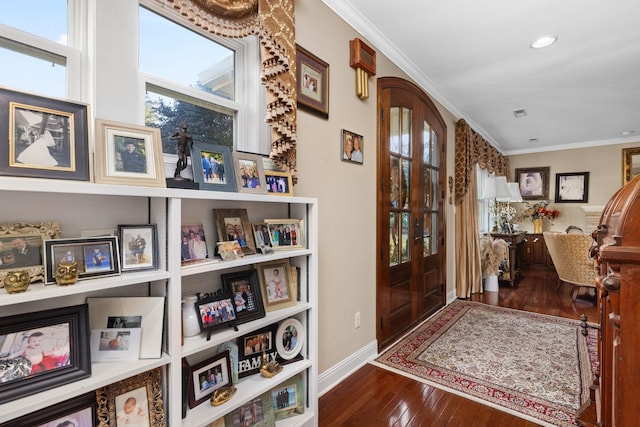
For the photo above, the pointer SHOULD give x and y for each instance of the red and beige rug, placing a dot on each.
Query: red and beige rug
(534, 366)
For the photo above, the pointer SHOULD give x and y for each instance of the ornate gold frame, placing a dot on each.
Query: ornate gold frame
(627, 163)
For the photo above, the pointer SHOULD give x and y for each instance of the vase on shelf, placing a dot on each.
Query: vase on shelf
(190, 324)
(537, 225)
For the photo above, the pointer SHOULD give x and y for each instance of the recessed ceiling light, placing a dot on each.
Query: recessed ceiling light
(533, 140)
(520, 113)
(627, 132)
(543, 41)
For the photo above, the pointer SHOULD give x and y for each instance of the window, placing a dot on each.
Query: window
(484, 217)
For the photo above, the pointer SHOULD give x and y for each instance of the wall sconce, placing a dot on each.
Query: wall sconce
(363, 60)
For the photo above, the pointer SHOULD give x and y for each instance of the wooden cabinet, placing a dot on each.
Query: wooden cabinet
(515, 242)
(535, 253)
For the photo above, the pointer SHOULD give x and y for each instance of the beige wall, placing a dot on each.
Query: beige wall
(346, 192)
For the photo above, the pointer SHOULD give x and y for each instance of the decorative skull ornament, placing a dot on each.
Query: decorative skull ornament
(67, 273)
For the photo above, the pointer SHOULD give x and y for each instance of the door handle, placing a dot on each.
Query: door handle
(417, 231)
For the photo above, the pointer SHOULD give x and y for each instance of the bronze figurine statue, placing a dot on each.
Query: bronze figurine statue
(183, 148)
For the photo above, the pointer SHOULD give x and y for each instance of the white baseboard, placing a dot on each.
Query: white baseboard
(334, 375)
(451, 296)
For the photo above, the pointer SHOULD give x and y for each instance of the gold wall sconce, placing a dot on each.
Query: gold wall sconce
(363, 60)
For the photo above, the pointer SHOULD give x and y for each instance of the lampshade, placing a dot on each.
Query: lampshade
(503, 194)
(488, 189)
(514, 188)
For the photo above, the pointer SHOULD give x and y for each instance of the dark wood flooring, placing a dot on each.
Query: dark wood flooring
(376, 397)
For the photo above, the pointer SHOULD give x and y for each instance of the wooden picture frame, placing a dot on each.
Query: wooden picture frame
(233, 224)
(261, 235)
(251, 347)
(312, 82)
(244, 287)
(279, 183)
(286, 233)
(349, 142)
(12, 236)
(215, 169)
(259, 410)
(208, 376)
(61, 336)
(630, 164)
(128, 154)
(47, 137)
(81, 411)
(533, 183)
(138, 247)
(249, 172)
(276, 284)
(95, 256)
(290, 338)
(193, 248)
(143, 390)
(572, 187)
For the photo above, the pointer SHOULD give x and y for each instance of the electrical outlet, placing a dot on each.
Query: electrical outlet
(357, 319)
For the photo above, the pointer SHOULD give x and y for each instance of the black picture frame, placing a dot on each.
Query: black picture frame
(220, 366)
(572, 187)
(55, 329)
(247, 297)
(138, 247)
(207, 305)
(47, 137)
(251, 347)
(83, 251)
(81, 410)
(204, 151)
(533, 183)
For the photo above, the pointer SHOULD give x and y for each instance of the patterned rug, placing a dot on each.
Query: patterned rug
(533, 366)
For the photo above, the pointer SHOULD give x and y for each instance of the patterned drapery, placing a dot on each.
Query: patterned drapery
(273, 22)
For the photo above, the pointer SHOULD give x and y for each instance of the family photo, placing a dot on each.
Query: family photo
(194, 245)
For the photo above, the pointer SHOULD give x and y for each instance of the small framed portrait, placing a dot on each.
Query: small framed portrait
(276, 284)
(213, 167)
(251, 347)
(208, 376)
(258, 412)
(77, 412)
(41, 350)
(128, 154)
(286, 233)
(247, 298)
(261, 235)
(572, 187)
(533, 183)
(290, 338)
(287, 399)
(233, 224)
(352, 147)
(215, 311)
(193, 248)
(115, 344)
(21, 247)
(95, 256)
(279, 183)
(138, 246)
(312, 81)
(249, 171)
(47, 138)
(630, 164)
(134, 401)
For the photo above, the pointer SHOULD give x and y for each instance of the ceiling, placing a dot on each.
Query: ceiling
(474, 58)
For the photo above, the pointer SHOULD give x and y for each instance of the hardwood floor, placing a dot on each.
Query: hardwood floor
(376, 397)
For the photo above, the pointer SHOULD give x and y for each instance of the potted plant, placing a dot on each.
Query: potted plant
(492, 252)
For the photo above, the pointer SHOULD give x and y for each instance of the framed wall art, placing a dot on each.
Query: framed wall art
(138, 247)
(133, 401)
(286, 233)
(312, 82)
(21, 247)
(247, 297)
(95, 256)
(572, 187)
(352, 146)
(276, 284)
(208, 376)
(251, 347)
(193, 248)
(213, 167)
(42, 350)
(76, 412)
(533, 183)
(47, 138)
(249, 171)
(128, 154)
(233, 224)
(630, 164)
(279, 183)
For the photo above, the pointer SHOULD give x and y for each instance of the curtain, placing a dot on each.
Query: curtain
(273, 22)
(471, 149)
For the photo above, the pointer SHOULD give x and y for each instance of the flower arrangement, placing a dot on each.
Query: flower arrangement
(539, 210)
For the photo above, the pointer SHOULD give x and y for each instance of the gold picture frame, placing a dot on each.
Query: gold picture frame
(233, 224)
(279, 183)
(276, 284)
(630, 164)
(146, 391)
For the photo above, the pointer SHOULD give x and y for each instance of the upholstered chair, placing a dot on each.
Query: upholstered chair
(570, 255)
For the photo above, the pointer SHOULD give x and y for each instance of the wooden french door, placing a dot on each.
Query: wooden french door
(410, 214)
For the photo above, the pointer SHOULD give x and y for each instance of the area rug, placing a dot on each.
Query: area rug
(534, 366)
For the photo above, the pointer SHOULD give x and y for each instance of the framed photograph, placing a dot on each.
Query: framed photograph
(21, 247)
(208, 376)
(42, 350)
(572, 187)
(48, 138)
(215, 311)
(138, 247)
(247, 298)
(279, 183)
(232, 348)
(128, 154)
(261, 234)
(111, 345)
(312, 83)
(256, 413)
(287, 399)
(286, 233)
(194, 244)
(352, 146)
(249, 172)
(290, 338)
(213, 167)
(630, 164)
(276, 284)
(131, 312)
(95, 256)
(77, 412)
(233, 224)
(533, 183)
(251, 347)
(133, 401)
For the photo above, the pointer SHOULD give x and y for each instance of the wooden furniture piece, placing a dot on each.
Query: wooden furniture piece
(615, 393)
(535, 253)
(515, 241)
